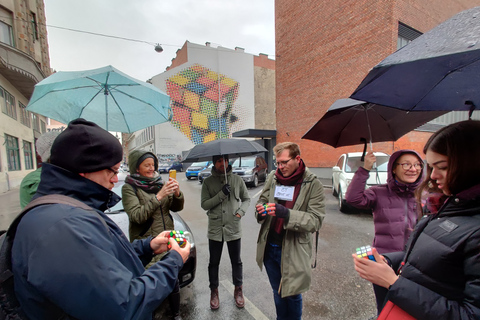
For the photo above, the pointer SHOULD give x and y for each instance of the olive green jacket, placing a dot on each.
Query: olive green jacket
(29, 186)
(305, 218)
(223, 224)
(148, 217)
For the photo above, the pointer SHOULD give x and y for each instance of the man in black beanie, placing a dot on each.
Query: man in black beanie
(72, 262)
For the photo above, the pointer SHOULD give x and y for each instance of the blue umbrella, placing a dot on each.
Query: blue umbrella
(106, 96)
(440, 70)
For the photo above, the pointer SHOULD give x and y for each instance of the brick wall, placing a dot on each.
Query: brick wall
(323, 51)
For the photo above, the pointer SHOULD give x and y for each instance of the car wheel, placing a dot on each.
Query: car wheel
(255, 181)
(342, 204)
(180, 170)
(334, 192)
(188, 178)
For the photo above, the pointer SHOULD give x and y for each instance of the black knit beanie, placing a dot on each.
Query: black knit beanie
(85, 147)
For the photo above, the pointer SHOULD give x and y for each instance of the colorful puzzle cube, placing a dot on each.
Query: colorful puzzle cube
(202, 103)
(178, 236)
(365, 252)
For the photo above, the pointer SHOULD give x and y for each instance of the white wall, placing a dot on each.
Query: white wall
(216, 63)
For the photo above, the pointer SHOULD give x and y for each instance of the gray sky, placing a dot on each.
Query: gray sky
(248, 24)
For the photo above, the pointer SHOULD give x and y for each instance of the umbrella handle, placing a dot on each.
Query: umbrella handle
(364, 148)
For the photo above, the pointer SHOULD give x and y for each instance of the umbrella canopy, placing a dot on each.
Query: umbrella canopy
(440, 70)
(106, 96)
(349, 122)
(230, 147)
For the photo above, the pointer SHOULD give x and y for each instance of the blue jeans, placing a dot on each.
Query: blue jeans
(289, 307)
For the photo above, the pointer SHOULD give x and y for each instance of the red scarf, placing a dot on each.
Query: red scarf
(294, 179)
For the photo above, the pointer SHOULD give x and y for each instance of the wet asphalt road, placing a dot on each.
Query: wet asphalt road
(337, 293)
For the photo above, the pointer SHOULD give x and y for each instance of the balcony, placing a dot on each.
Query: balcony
(21, 70)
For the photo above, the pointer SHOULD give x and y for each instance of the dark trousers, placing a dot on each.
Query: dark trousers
(215, 248)
(288, 308)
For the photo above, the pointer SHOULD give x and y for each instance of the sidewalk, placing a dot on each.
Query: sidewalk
(9, 207)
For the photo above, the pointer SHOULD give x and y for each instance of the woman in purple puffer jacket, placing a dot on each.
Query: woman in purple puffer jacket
(394, 207)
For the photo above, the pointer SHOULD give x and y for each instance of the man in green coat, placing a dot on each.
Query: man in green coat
(226, 199)
(290, 208)
(30, 182)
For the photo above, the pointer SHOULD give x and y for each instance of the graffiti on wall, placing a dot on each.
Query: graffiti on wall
(203, 103)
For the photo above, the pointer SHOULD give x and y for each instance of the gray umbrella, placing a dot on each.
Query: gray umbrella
(223, 147)
(350, 122)
(440, 70)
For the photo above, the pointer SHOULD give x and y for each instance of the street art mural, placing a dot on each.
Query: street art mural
(203, 103)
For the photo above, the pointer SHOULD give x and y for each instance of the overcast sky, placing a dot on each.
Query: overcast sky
(248, 24)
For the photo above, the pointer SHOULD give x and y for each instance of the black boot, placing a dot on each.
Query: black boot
(174, 300)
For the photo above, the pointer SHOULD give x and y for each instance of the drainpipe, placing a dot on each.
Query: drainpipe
(8, 181)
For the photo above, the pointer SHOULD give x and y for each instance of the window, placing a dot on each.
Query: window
(13, 153)
(8, 103)
(6, 33)
(35, 122)
(406, 35)
(24, 115)
(27, 154)
(34, 26)
(43, 126)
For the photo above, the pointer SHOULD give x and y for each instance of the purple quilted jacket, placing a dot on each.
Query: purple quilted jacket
(393, 205)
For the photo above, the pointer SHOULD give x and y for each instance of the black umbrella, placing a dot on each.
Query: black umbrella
(350, 122)
(223, 147)
(440, 70)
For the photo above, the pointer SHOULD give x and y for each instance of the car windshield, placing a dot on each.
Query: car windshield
(200, 164)
(353, 163)
(246, 162)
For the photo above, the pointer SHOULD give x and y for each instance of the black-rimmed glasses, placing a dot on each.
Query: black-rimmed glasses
(115, 172)
(283, 163)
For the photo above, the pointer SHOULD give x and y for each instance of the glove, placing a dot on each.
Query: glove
(226, 189)
(281, 211)
(261, 213)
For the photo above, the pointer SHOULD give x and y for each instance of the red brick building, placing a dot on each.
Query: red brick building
(324, 49)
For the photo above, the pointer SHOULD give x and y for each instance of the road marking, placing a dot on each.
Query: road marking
(249, 306)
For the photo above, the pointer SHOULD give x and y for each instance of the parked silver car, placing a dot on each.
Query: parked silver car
(344, 170)
(205, 173)
(252, 169)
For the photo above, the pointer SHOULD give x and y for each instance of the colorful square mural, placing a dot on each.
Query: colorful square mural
(202, 103)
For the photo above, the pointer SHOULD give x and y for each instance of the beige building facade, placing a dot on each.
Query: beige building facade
(24, 61)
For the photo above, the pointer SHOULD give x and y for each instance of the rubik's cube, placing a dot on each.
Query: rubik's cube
(365, 252)
(202, 103)
(268, 205)
(178, 236)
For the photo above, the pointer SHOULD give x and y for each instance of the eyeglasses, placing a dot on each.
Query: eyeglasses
(283, 163)
(408, 166)
(115, 172)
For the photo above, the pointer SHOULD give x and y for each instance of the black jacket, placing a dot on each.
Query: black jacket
(65, 257)
(440, 278)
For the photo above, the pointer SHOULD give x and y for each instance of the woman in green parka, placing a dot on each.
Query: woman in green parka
(148, 200)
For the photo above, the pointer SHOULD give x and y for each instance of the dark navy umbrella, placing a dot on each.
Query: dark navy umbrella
(440, 70)
(222, 147)
(349, 122)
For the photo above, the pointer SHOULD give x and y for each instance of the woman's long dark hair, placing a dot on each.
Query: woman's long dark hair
(460, 142)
